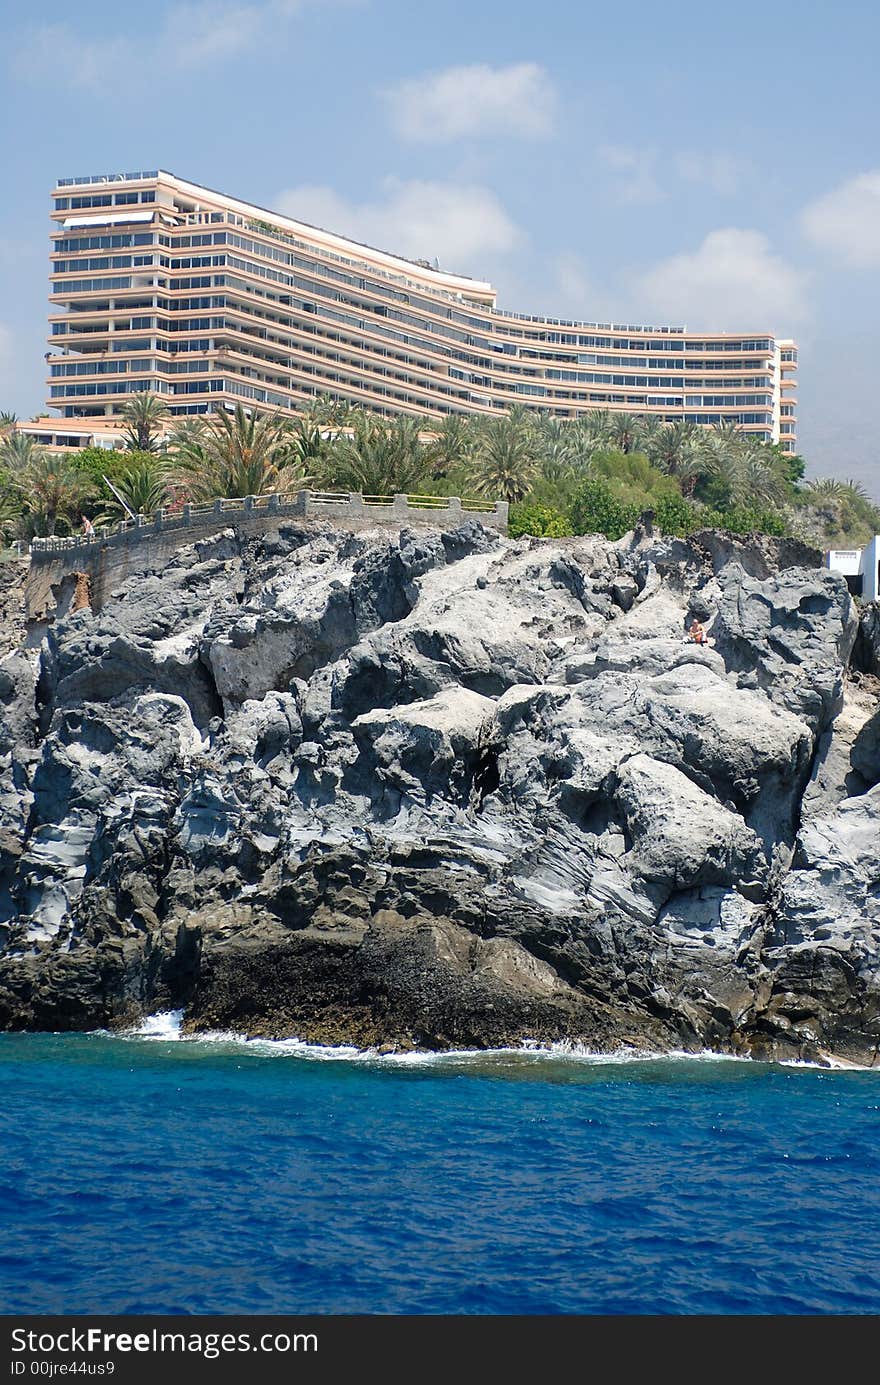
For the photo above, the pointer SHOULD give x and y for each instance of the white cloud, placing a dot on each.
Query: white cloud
(55, 52)
(648, 175)
(477, 100)
(195, 33)
(454, 222)
(574, 292)
(846, 221)
(731, 282)
(634, 171)
(721, 173)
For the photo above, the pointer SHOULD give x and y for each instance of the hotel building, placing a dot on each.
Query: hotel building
(159, 284)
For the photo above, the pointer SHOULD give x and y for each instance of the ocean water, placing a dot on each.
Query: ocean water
(149, 1174)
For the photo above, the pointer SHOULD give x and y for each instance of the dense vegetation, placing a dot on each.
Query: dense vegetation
(598, 473)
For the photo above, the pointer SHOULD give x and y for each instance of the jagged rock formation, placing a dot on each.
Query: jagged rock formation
(448, 789)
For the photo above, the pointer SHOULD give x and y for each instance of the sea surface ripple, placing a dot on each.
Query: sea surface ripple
(144, 1174)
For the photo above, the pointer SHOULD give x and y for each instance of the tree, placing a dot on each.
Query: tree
(7, 423)
(762, 482)
(144, 415)
(452, 448)
(556, 446)
(828, 488)
(623, 431)
(96, 463)
(382, 456)
(676, 450)
(791, 464)
(326, 412)
(307, 443)
(632, 479)
(51, 489)
(142, 486)
(740, 470)
(17, 452)
(505, 463)
(595, 428)
(596, 510)
(235, 455)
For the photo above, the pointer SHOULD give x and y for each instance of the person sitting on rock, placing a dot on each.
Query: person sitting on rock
(697, 633)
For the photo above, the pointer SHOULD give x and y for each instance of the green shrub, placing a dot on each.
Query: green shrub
(740, 520)
(596, 510)
(675, 515)
(632, 479)
(541, 521)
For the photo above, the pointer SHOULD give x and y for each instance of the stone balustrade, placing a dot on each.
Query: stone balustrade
(340, 506)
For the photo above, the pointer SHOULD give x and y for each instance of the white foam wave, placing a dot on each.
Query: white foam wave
(167, 1026)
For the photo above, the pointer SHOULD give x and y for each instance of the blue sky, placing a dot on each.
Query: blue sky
(664, 162)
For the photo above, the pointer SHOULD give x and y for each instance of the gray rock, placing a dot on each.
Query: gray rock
(442, 788)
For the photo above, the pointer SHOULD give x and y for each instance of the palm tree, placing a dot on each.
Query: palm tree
(722, 449)
(651, 431)
(505, 464)
(236, 455)
(186, 432)
(326, 412)
(677, 450)
(593, 431)
(144, 414)
(51, 488)
(17, 452)
(143, 487)
(307, 443)
(762, 482)
(453, 445)
(382, 456)
(555, 442)
(747, 472)
(7, 423)
(833, 488)
(624, 431)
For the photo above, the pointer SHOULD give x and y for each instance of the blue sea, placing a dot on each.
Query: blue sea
(151, 1174)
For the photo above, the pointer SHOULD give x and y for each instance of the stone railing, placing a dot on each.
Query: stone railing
(324, 504)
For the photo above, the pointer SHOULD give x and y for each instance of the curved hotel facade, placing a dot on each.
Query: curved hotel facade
(159, 284)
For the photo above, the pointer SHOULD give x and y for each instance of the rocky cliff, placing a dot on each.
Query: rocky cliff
(446, 789)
